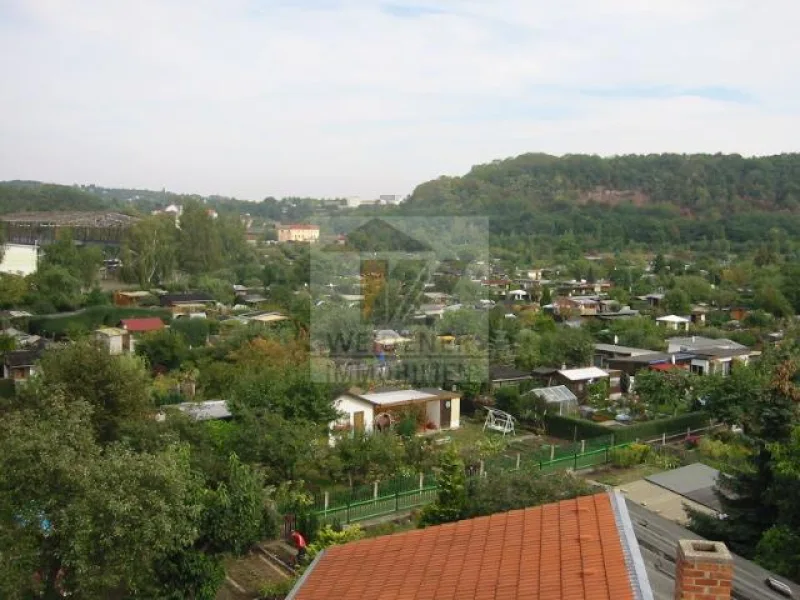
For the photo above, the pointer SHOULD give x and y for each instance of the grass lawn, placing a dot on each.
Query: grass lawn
(615, 476)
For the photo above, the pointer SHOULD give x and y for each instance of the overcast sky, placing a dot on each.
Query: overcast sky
(359, 98)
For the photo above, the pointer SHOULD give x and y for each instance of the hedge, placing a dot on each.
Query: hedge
(653, 429)
(92, 318)
(569, 428)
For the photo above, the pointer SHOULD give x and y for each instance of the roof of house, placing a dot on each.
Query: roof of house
(583, 373)
(142, 325)
(188, 297)
(695, 482)
(615, 349)
(204, 411)
(698, 342)
(720, 352)
(673, 319)
(652, 358)
(111, 331)
(544, 371)
(556, 393)
(389, 336)
(503, 373)
(394, 397)
(264, 317)
(658, 539)
(24, 358)
(581, 548)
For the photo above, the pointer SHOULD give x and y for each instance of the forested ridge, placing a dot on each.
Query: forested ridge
(17, 196)
(694, 183)
(656, 200)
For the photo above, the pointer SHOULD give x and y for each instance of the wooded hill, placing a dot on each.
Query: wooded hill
(606, 203)
(698, 183)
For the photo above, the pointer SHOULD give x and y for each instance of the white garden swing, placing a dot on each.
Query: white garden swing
(499, 420)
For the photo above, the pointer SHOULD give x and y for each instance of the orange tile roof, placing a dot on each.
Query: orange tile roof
(570, 550)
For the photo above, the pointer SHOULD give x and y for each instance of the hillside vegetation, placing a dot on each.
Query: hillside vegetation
(608, 203)
(17, 196)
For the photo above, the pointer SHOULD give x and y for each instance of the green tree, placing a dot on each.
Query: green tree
(116, 387)
(236, 511)
(13, 290)
(194, 331)
(54, 288)
(90, 522)
(163, 348)
(451, 495)
(676, 301)
(150, 250)
(200, 246)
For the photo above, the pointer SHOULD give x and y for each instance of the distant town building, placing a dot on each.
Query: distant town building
(19, 259)
(298, 233)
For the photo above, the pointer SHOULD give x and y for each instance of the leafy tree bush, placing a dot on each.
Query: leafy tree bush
(635, 454)
(327, 536)
(451, 495)
(502, 491)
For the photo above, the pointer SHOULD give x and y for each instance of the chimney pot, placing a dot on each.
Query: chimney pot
(703, 570)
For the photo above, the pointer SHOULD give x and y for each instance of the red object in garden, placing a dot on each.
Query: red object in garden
(142, 325)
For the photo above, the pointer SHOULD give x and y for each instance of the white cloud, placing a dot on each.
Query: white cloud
(253, 98)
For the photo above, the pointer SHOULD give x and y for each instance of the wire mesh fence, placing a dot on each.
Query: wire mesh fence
(402, 493)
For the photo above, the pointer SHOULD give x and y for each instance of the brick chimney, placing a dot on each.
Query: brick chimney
(704, 571)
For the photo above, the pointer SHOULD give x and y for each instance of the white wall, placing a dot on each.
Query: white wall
(433, 412)
(455, 413)
(19, 259)
(349, 405)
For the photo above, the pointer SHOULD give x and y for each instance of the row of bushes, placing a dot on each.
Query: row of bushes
(570, 428)
(92, 318)
(652, 429)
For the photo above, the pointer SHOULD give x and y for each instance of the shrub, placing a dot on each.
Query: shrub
(502, 491)
(725, 452)
(328, 536)
(277, 590)
(570, 428)
(635, 454)
(653, 429)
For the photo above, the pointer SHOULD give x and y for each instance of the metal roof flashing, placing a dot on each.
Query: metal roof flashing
(640, 584)
(299, 584)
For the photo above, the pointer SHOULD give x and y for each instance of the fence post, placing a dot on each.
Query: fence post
(583, 446)
(327, 500)
(518, 459)
(375, 491)
(552, 452)
(664, 439)
(421, 481)
(688, 431)
(575, 460)
(396, 498)
(347, 518)
(480, 471)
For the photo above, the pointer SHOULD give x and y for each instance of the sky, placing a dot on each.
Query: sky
(334, 98)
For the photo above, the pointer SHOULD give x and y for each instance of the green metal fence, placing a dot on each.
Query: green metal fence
(379, 499)
(351, 505)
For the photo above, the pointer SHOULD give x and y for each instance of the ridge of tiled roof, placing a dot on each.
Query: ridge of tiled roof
(579, 549)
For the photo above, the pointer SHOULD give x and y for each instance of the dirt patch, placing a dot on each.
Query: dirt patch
(252, 573)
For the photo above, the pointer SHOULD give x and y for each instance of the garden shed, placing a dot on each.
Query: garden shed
(558, 400)
(439, 409)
